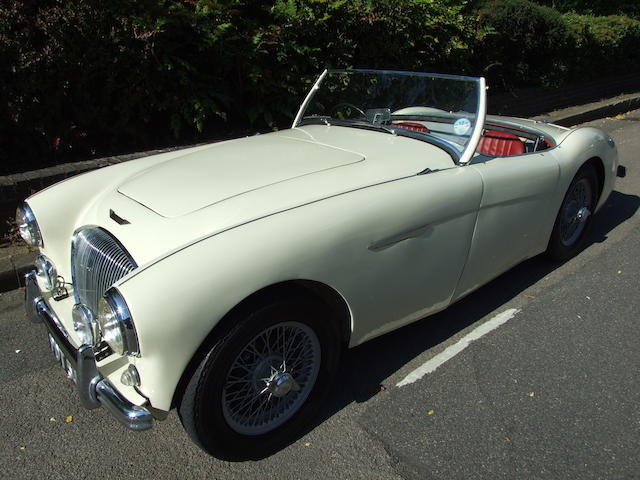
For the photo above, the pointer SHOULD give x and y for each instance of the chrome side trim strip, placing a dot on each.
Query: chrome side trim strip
(390, 241)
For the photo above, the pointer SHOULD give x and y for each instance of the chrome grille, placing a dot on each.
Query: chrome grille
(97, 262)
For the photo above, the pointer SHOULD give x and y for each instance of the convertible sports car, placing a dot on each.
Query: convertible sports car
(225, 279)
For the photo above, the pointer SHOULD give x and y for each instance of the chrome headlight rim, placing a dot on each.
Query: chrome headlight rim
(28, 226)
(116, 325)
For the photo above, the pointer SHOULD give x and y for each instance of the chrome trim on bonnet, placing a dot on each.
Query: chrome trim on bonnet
(93, 389)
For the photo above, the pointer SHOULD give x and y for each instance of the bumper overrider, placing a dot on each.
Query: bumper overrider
(80, 364)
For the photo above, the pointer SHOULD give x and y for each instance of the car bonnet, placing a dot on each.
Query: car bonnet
(228, 169)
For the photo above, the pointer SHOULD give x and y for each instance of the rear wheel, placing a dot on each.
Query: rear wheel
(574, 217)
(261, 383)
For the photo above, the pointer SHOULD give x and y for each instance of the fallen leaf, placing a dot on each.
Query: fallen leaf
(507, 439)
(53, 420)
(382, 388)
(69, 419)
(431, 412)
(307, 444)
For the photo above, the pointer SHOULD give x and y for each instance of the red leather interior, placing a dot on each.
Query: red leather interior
(415, 126)
(500, 144)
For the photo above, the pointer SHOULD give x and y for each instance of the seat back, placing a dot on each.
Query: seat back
(500, 144)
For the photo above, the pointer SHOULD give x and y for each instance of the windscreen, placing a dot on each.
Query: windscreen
(438, 109)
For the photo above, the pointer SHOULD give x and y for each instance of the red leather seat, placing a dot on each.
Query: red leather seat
(500, 144)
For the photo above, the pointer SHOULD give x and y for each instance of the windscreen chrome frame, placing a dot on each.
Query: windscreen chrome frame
(481, 113)
(303, 107)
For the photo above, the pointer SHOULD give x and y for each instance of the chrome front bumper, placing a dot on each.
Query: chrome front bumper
(94, 390)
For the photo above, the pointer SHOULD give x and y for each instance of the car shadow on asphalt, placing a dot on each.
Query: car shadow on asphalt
(363, 369)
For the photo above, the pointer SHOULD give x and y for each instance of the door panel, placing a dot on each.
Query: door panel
(412, 249)
(514, 222)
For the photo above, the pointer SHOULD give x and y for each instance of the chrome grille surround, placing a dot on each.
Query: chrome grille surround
(98, 261)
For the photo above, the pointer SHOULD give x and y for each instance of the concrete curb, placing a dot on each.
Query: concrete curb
(13, 266)
(611, 107)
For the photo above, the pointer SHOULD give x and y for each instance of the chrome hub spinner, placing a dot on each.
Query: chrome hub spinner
(281, 383)
(583, 214)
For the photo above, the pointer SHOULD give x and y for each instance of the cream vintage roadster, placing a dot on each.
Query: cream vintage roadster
(224, 280)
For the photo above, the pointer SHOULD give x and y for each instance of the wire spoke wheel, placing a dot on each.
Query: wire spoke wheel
(575, 211)
(271, 378)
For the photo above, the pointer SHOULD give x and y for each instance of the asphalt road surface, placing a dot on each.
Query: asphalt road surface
(553, 391)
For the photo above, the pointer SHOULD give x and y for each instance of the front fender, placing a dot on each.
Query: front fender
(178, 301)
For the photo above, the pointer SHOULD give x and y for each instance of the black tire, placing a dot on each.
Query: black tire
(213, 406)
(575, 215)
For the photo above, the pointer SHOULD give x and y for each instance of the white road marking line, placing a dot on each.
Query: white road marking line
(451, 351)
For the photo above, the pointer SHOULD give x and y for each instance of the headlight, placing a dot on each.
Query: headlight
(116, 325)
(47, 272)
(27, 226)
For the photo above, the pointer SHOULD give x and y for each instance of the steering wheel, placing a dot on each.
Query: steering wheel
(336, 108)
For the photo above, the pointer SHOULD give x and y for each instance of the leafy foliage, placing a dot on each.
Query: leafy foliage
(524, 44)
(604, 44)
(87, 77)
(595, 7)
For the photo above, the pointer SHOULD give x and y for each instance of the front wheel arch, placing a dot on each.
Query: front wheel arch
(598, 166)
(334, 302)
(572, 225)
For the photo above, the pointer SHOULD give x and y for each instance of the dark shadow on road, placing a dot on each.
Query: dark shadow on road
(363, 368)
(618, 209)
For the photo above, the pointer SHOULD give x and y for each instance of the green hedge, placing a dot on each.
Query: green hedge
(523, 43)
(86, 78)
(526, 44)
(602, 45)
(629, 8)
